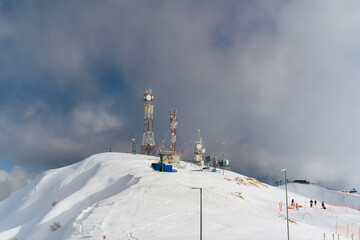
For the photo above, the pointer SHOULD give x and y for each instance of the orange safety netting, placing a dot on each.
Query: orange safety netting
(348, 231)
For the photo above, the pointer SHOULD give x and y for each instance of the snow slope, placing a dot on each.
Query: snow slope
(120, 196)
(319, 193)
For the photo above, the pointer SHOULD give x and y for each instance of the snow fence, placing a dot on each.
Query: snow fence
(340, 219)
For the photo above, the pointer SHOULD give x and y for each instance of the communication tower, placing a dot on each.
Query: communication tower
(173, 124)
(169, 156)
(199, 150)
(148, 141)
(224, 163)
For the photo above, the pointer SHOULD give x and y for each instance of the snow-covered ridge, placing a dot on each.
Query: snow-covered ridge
(70, 189)
(120, 196)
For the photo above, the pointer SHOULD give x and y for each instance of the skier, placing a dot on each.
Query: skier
(311, 203)
(323, 205)
(292, 205)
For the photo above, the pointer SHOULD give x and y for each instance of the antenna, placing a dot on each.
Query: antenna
(133, 146)
(173, 124)
(223, 152)
(199, 150)
(148, 141)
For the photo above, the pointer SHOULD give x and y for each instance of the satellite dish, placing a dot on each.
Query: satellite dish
(148, 97)
(198, 146)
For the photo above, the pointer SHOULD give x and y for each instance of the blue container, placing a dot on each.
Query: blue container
(162, 167)
(157, 166)
(168, 168)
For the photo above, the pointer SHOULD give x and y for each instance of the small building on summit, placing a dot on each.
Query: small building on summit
(301, 181)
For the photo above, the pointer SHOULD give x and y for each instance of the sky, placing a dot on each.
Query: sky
(276, 81)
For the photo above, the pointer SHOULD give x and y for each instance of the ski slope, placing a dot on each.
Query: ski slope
(120, 196)
(319, 193)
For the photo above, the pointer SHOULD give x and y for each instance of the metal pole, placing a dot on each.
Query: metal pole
(287, 207)
(200, 213)
(200, 210)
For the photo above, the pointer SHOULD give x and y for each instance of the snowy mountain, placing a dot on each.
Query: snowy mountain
(119, 196)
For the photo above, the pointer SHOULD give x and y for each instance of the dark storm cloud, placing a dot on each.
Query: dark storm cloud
(276, 81)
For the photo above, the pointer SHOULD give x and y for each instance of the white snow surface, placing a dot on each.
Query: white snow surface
(119, 196)
(319, 193)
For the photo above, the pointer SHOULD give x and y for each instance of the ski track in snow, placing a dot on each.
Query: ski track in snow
(87, 223)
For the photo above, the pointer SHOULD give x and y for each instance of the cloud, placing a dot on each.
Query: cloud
(89, 121)
(13, 181)
(277, 81)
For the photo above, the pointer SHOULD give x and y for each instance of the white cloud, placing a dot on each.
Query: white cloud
(13, 181)
(90, 120)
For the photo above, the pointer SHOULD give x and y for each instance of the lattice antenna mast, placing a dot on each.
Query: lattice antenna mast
(173, 124)
(148, 141)
(199, 150)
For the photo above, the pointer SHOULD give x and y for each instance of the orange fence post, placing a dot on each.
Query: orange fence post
(336, 227)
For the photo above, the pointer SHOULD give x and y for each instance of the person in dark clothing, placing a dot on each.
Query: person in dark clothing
(315, 203)
(311, 203)
(323, 205)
